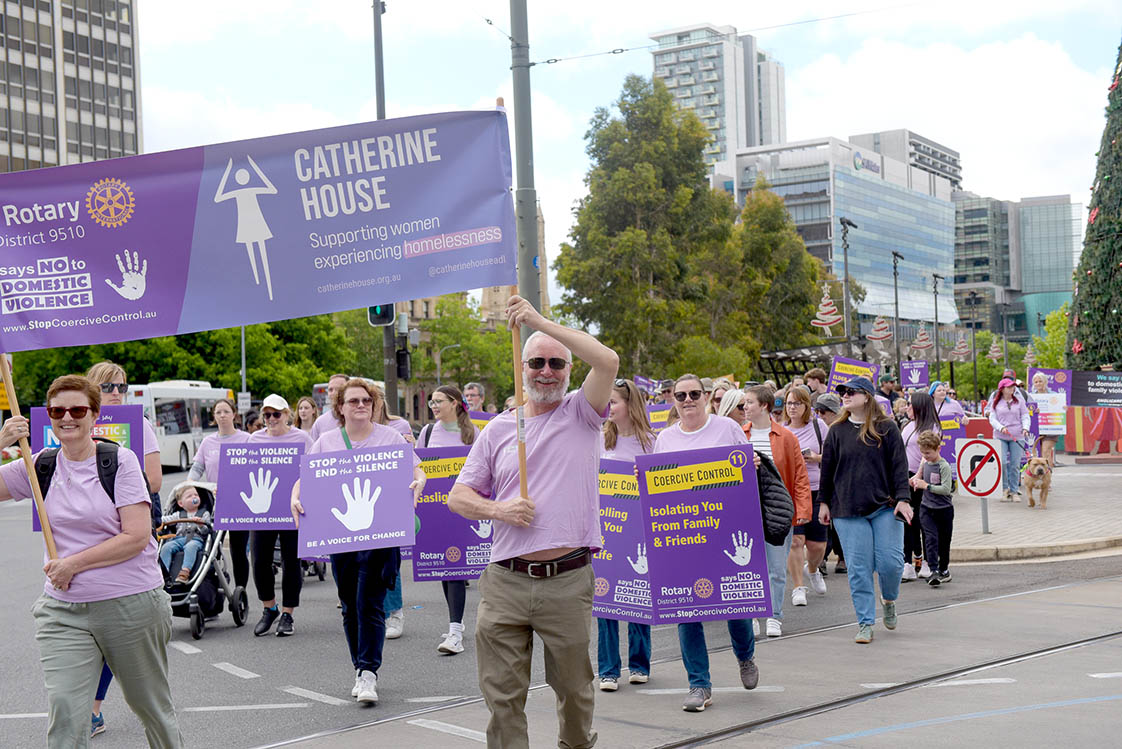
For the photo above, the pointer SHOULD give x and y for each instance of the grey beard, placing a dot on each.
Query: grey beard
(540, 395)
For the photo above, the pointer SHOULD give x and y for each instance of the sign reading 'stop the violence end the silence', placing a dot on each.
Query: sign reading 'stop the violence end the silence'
(256, 230)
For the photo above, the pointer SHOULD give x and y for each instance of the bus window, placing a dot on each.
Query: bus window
(206, 414)
(171, 414)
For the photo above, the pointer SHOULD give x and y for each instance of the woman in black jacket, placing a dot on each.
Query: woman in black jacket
(865, 490)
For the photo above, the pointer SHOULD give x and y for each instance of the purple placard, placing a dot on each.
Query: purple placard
(705, 535)
(843, 370)
(449, 546)
(122, 424)
(658, 413)
(623, 581)
(301, 224)
(480, 418)
(255, 486)
(646, 384)
(914, 374)
(356, 499)
(953, 429)
(1049, 412)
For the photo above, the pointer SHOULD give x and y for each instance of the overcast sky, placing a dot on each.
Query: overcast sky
(1019, 88)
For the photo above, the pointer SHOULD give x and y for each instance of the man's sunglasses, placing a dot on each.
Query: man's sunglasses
(77, 412)
(109, 387)
(556, 363)
(693, 395)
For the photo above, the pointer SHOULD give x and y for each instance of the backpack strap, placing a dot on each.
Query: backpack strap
(107, 468)
(817, 433)
(426, 434)
(45, 464)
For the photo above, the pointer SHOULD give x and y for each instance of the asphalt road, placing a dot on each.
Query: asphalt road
(235, 690)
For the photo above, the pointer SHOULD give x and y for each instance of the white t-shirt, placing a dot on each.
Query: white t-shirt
(761, 440)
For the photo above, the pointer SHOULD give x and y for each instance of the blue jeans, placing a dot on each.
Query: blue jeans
(872, 543)
(777, 573)
(393, 597)
(1012, 453)
(190, 547)
(607, 648)
(695, 657)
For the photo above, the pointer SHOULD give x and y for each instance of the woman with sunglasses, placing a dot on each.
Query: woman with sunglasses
(808, 541)
(275, 414)
(627, 433)
(695, 429)
(362, 577)
(923, 417)
(732, 406)
(720, 387)
(864, 490)
(103, 600)
(453, 428)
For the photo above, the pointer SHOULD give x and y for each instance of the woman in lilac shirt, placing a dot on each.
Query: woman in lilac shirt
(1009, 416)
(808, 541)
(103, 601)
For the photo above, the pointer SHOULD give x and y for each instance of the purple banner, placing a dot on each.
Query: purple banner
(843, 370)
(300, 224)
(913, 374)
(646, 384)
(658, 413)
(255, 486)
(449, 546)
(356, 499)
(705, 536)
(122, 424)
(623, 583)
(479, 418)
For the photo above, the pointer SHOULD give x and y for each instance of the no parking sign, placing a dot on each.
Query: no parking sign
(979, 467)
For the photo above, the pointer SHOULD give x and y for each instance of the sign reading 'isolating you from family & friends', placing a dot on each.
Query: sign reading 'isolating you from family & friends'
(255, 230)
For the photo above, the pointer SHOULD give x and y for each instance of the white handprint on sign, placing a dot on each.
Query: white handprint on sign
(360, 506)
(484, 529)
(133, 276)
(742, 545)
(640, 563)
(260, 491)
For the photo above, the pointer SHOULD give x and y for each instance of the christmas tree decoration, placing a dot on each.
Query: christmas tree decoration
(881, 332)
(923, 343)
(961, 349)
(1030, 356)
(1077, 347)
(828, 315)
(996, 352)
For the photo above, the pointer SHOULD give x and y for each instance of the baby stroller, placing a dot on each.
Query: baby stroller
(209, 586)
(310, 567)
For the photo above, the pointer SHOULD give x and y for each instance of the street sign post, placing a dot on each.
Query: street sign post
(979, 472)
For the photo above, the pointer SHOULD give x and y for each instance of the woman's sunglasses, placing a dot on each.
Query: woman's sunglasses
(77, 412)
(109, 387)
(693, 395)
(556, 363)
(272, 414)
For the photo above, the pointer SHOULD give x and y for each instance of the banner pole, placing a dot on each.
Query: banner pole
(28, 464)
(519, 400)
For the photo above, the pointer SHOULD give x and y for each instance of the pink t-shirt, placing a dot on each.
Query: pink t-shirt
(401, 426)
(211, 448)
(627, 447)
(82, 515)
(151, 442)
(562, 463)
(292, 435)
(324, 423)
(911, 444)
(718, 431)
(441, 437)
(380, 435)
(808, 440)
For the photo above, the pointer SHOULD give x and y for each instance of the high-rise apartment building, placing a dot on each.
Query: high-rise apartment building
(915, 150)
(737, 89)
(70, 89)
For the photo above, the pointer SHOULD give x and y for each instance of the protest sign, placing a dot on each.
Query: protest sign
(449, 546)
(1096, 389)
(356, 499)
(705, 536)
(255, 486)
(843, 370)
(479, 418)
(623, 583)
(659, 413)
(122, 424)
(953, 429)
(300, 224)
(645, 384)
(914, 374)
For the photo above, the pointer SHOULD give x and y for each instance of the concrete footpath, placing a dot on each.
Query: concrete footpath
(801, 671)
(1084, 514)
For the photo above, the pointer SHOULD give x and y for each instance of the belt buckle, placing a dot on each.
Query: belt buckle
(550, 568)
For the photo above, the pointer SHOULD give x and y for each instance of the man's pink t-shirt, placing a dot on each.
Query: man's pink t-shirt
(210, 451)
(292, 435)
(718, 431)
(82, 515)
(562, 463)
(324, 423)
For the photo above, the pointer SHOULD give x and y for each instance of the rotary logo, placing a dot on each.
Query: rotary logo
(601, 586)
(703, 587)
(452, 554)
(110, 202)
(1061, 376)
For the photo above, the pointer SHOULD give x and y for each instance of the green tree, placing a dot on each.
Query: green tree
(704, 357)
(483, 355)
(1051, 349)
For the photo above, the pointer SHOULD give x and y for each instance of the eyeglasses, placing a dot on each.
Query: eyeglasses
(356, 402)
(77, 412)
(434, 403)
(693, 395)
(109, 387)
(271, 414)
(556, 363)
(740, 407)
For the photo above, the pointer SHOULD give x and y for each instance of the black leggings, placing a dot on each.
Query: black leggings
(455, 593)
(293, 576)
(239, 556)
(913, 543)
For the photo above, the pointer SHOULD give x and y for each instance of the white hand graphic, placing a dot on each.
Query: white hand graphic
(484, 529)
(640, 563)
(360, 506)
(260, 491)
(742, 545)
(133, 276)
(913, 375)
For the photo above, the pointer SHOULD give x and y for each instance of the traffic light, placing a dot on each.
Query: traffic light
(381, 315)
(404, 364)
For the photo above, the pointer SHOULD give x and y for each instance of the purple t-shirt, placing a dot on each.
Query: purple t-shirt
(325, 422)
(441, 437)
(333, 440)
(718, 431)
(562, 464)
(292, 435)
(627, 447)
(82, 515)
(151, 442)
(206, 457)
(401, 426)
(911, 445)
(808, 440)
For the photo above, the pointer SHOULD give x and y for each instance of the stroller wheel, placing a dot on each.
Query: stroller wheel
(198, 624)
(239, 606)
(321, 570)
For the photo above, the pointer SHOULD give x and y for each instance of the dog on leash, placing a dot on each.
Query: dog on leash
(1037, 475)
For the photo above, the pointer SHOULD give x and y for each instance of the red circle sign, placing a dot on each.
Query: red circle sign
(970, 472)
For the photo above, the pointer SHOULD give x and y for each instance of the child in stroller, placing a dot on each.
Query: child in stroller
(193, 526)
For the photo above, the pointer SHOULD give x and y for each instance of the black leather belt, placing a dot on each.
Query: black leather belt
(569, 562)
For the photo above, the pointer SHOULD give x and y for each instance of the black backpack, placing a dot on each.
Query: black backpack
(47, 461)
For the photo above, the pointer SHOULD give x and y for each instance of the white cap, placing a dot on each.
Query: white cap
(275, 401)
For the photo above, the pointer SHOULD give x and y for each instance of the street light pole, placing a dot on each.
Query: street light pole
(935, 279)
(846, 225)
(973, 344)
(389, 341)
(525, 194)
(440, 359)
(896, 258)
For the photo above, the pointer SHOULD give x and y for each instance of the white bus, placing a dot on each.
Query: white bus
(181, 412)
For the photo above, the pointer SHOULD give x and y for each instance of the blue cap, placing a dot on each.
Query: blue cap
(859, 383)
(934, 384)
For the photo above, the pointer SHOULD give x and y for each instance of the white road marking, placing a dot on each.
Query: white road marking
(1111, 675)
(955, 683)
(761, 688)
(448, 728)
(11, 716)
(232, 708)
(183, 647)
(241, 673)
(324, 698)
(879, 684)
(435, 699)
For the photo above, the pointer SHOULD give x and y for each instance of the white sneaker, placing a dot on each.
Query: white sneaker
(774, 628)
(638, 677)
(358, 683)
(367, 687)
(925, 571)
(909, 572)
(395, 624)
(798, 596)
(817, 582)
(453, 643)
(757, 628)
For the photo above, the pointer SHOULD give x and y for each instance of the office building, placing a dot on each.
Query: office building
(71, 84)
(915, 150)
(737, 89)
